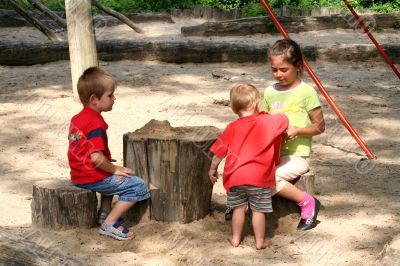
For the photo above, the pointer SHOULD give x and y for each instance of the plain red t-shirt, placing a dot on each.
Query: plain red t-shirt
(251, 146)
(87, 134)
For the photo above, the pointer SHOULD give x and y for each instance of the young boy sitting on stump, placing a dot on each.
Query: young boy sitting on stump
(251, 147)
(90, 158)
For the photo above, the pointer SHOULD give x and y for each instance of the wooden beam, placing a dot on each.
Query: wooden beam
(35, 22)
(117, 15)
(81, 39)
(60, 21)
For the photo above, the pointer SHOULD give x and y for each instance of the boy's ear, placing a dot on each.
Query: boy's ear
(259, 105)
(92, 99)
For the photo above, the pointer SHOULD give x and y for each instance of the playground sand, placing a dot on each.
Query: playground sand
(360, 197)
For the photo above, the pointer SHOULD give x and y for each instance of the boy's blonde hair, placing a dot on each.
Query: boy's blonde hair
(95, 81)
(243, 97)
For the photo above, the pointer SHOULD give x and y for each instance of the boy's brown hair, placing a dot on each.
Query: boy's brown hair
(244, 96)
(95, 81)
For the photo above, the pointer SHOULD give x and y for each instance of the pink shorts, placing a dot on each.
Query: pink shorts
(289, 168)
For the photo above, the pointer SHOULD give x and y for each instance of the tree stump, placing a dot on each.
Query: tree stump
(283, 207)
(174, 162)
(58, 204)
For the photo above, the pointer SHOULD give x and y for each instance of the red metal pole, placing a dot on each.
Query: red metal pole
(380, 49)
(321, 87)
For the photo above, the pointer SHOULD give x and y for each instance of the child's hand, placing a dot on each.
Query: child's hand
(291, 133)
(123, 171)
(213, 175)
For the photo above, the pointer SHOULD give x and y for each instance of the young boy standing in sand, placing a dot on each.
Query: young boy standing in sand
(251, 147)
(90, 158)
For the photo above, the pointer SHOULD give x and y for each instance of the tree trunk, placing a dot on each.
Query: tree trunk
(49, 13)
(36, 23)
(58, 204)
(119, 16)
(81, 39)
(175, 163)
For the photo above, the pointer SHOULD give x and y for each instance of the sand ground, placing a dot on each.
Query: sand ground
(361, 197)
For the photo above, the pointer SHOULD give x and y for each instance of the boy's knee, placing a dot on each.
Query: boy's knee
(141, 184)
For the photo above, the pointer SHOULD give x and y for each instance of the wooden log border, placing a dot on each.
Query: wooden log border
(248, 26)
(184, 51)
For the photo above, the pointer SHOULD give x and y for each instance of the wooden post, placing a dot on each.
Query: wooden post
(58, 204)
(81, 39)
(175, 163)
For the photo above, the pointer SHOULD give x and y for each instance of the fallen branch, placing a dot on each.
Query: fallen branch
(117, 15)
(60, 21)
(36, 23)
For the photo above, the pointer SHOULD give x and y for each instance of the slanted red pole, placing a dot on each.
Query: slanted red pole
(378, 46)
(321, 87)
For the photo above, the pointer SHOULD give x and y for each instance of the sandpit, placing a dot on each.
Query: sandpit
(360, 197)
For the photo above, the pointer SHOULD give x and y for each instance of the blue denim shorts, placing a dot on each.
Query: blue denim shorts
(130, 188)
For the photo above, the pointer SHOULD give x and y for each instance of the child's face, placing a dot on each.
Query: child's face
(106, 101)
(284, 72)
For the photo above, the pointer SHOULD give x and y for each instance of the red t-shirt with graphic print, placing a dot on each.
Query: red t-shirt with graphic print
(87, 134)
(251, 146)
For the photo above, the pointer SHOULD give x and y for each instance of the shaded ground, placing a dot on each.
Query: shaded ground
(360, 197)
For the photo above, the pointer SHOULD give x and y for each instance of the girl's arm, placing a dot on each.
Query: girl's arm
(317, 125)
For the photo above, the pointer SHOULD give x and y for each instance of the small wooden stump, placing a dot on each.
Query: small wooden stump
(58, 204)
(175, 163)
(283, 207)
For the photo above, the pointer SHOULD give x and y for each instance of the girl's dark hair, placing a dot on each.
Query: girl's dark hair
(290, 51)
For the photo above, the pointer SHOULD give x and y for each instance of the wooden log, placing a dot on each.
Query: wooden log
(175, 161)
(81, 39)
(256, 25)
(58, 204)
(183, 51)
(117, 15)
(60, 21)
(36, 23)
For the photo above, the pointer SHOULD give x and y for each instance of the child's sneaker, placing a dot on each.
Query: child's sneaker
(228, 214)
(309, 213)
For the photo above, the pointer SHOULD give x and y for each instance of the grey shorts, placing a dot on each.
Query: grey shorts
(259, 198)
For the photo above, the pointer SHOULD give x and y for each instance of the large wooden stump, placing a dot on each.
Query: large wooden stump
(58, 204)
(175, 163)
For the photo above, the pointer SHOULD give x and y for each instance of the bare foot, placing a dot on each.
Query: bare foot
(264, 245)
(234, 243)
